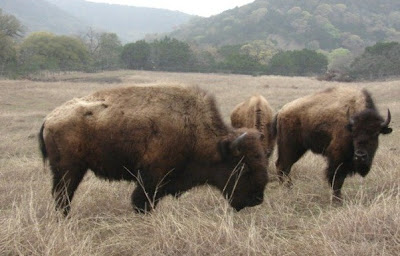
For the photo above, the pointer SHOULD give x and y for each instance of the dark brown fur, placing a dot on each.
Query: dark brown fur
(256, 113)
(340, 123)
(167, 139)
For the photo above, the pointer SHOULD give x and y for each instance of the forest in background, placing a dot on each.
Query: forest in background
(298, 24)
(347, 40)
(339, 29)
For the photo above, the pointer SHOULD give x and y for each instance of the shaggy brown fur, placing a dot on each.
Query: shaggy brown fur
(256, 113)
(339, 123)
(166, 138)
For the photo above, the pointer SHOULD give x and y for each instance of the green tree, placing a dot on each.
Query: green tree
(107, 57)
(241, 64)
(378, 61)
(171, 54)
(261, 50)
(10, 30)
(7, 53)
(136, 55)
(46, 51)
(340, 59)
(10, 26)
(238, 61)
(298, 63)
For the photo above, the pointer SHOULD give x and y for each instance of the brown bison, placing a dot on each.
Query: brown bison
(167, 139)
(256, 113)
(340, 123)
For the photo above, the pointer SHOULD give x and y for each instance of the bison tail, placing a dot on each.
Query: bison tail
(42, 146)
(273, 128)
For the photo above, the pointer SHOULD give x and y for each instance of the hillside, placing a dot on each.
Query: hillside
(39, 15)
(295, 24)
(75, 16)
(130, 23)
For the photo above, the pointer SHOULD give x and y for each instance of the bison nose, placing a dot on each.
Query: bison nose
(360, 155)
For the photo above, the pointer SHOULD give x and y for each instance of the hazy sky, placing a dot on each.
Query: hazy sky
(204, 8)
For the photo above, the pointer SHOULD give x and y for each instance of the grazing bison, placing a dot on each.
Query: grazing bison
(167, 139)
(340, 123)
(256, 113)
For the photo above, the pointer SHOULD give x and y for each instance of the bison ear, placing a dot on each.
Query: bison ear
(231, 147)
(235, 145)
(386, 130)
(349, 126)
(225, 148)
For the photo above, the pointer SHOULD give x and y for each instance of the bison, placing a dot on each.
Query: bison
(256, 113)
(340, 123)
(167, 139)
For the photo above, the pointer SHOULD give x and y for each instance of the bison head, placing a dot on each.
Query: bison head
(365, 128)
(246, 181)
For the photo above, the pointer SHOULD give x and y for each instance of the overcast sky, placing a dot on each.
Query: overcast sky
(204, 8)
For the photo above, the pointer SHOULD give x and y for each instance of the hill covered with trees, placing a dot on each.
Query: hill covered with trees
(69, 17)
(298, 24)
(93, 50)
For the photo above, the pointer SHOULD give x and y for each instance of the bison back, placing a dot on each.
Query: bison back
(131, 128)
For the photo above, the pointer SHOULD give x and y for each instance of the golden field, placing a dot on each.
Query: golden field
(297, 221)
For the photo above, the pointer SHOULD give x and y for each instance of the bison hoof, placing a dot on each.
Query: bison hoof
(337, 200)
(144, 210)
(141, 205)
(287, 182)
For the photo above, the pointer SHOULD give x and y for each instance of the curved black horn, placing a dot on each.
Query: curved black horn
(237, 141)
(387, 121)
(351, 120)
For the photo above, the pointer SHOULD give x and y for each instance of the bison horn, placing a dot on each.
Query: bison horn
(237, 141)
(351, 120)
(387, 121)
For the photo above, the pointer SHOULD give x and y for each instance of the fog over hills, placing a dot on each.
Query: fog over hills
(40, 15)
(75, 16)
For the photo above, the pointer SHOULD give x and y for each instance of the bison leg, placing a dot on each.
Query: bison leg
(336, 175)
(65, 182)
(147, 193)
(287, 156)
(143, 199)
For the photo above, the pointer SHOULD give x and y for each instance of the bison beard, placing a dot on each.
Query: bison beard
(167, 139)
(341, 123)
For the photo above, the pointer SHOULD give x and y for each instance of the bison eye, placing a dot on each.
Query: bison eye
(257, 156)
(349, 127)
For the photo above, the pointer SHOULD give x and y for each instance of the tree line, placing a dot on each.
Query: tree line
(97, 51)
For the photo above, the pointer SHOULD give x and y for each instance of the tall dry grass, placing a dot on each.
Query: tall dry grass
(299, 221)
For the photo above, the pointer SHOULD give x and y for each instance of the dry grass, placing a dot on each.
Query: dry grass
(300, 221)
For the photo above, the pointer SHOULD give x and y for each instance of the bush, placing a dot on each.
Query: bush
(378, 61)
(46, 51)
(298, 63)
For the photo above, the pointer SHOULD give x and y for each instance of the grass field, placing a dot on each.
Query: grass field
(297, 221)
